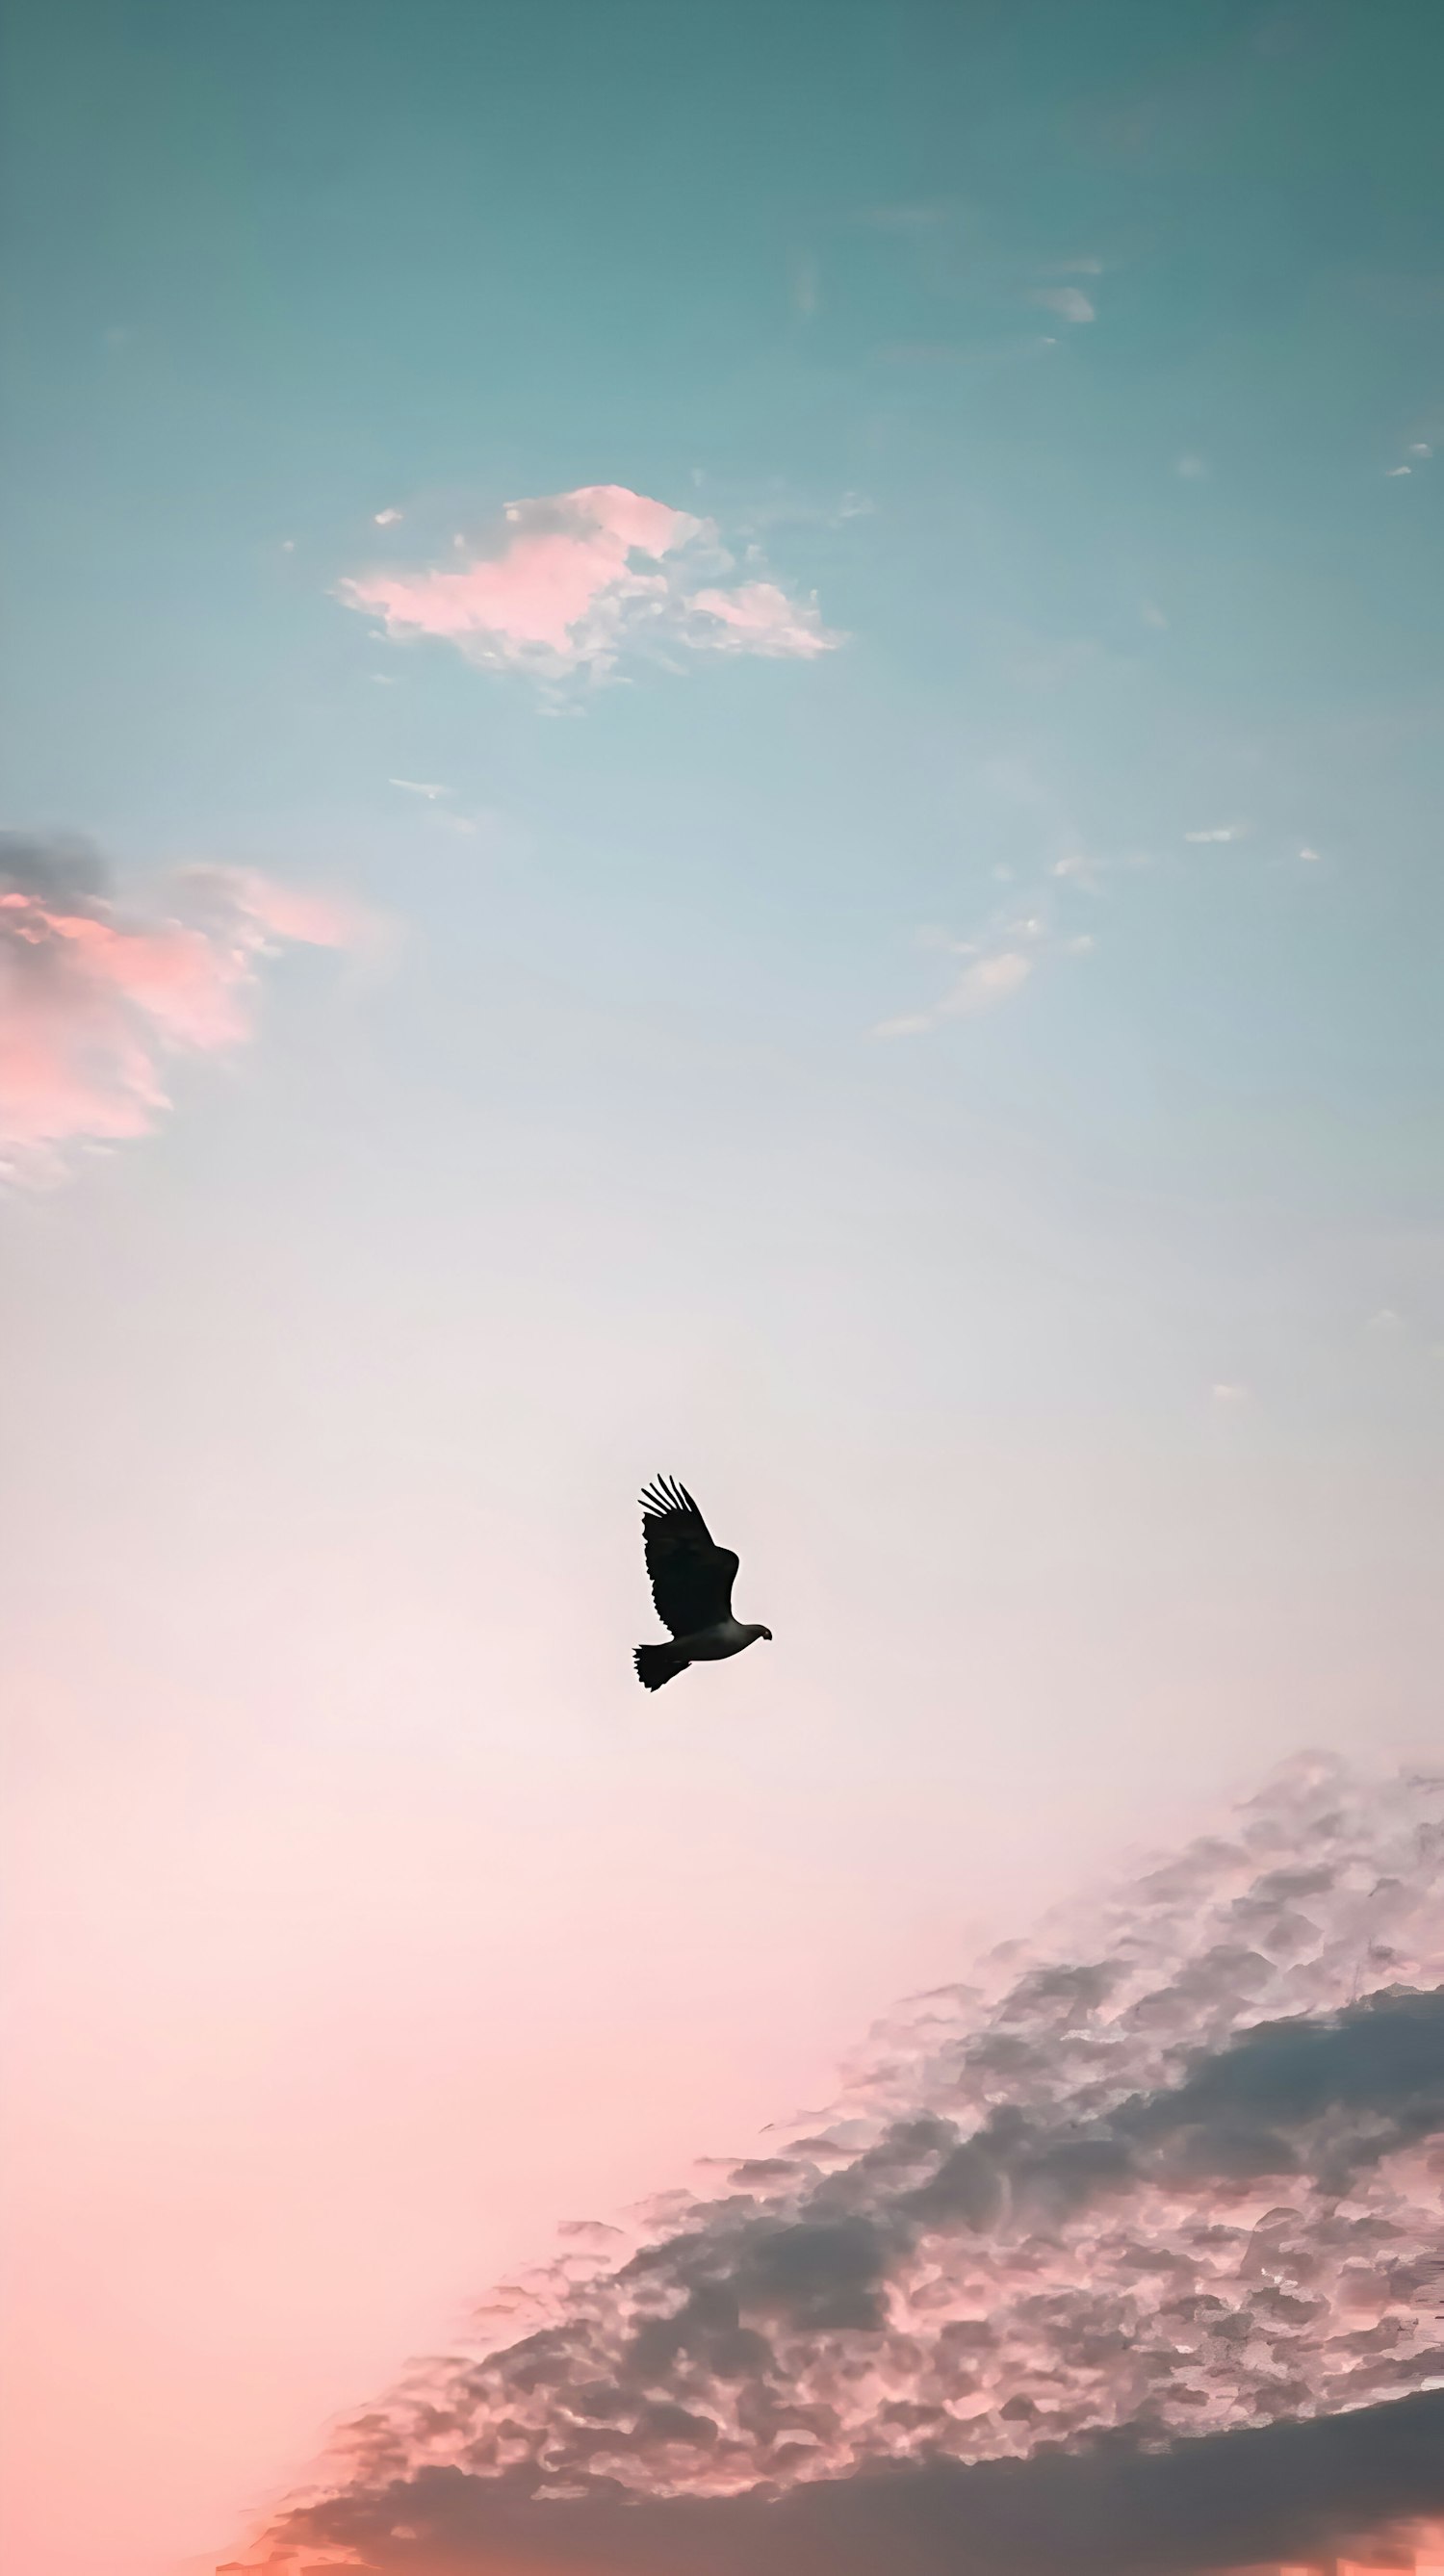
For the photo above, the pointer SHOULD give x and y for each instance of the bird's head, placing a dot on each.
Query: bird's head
(763, 1632)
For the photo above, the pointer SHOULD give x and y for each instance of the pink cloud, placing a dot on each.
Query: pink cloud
(576, 578)
(93, 1000)
(759, 618)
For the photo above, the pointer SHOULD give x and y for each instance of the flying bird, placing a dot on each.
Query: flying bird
(692, 1579)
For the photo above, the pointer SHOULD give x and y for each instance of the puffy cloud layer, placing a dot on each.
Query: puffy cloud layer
(573, 583)
(1125, 2254)
(95, 997)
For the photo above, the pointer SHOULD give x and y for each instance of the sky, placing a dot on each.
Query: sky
(721, 755)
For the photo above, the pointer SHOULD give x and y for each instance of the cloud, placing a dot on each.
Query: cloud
(987, 981)
(1292, 2492)
(441, 813)
(991, 980)
(1033, 925)
(96, 996)
(1219, 832)
(1122, 2255)
(757, 617)
(571, 584)
(387, 518)
(1069, 301)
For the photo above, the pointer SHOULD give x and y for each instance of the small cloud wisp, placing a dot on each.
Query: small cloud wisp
(1069, 302)
(982, 983)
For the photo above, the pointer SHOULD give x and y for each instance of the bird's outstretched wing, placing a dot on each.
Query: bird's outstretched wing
(691, 1576)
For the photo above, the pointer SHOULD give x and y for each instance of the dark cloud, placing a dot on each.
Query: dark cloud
(1297, 2492)
(1360, 2085)
(58, 869)
(1134, 2218)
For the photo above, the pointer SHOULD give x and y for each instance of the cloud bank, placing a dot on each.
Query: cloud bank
(96, 997)
(1127, 2254)
(579, 582)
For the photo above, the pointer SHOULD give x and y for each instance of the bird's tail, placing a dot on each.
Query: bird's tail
(658, 1664)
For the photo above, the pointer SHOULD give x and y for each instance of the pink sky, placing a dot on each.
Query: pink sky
(343, 2068)
(338, 1857)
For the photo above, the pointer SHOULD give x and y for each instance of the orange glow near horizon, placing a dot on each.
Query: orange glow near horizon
(1408, 2549)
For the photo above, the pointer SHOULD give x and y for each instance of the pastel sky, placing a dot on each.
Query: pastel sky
(722, 756)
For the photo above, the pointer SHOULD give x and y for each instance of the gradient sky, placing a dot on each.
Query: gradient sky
(875, 944)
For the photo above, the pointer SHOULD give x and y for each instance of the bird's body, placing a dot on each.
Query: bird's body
(709, 1645)
(692, 1581)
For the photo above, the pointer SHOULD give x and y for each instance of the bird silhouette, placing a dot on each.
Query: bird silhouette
(692, 1579)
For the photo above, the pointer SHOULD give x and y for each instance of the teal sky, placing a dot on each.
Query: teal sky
(961, 1088)
(281, 270)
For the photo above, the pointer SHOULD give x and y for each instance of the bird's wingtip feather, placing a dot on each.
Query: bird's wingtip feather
(664, 1495)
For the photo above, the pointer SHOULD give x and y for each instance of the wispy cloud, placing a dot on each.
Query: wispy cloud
(1038, 919)
(1218, 832)
(757, 617)
(1069, 301)
(1123, 2253)
(983, 982)
(96, 995)
(959, 262)
(442, 811)
(575, 583)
